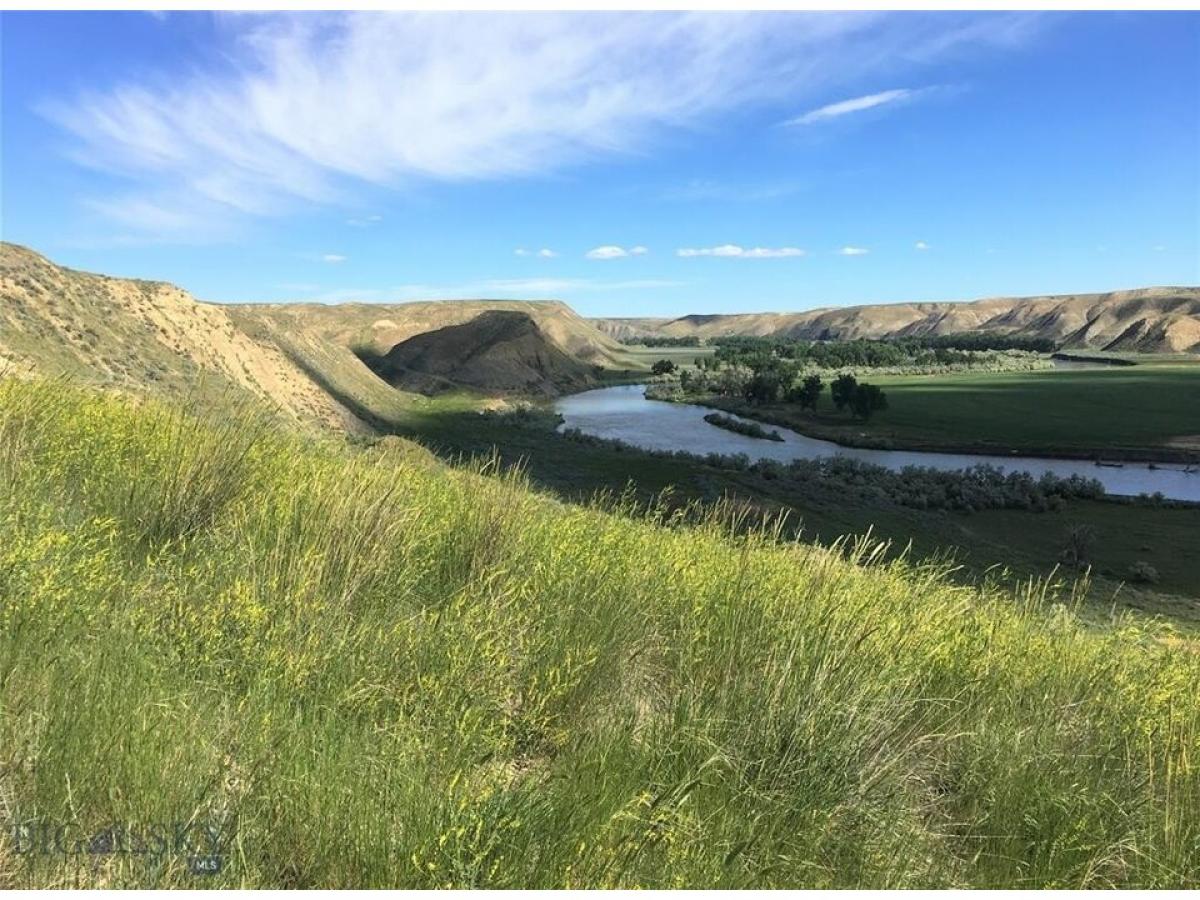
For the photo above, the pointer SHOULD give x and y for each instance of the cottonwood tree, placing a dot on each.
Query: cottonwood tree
(868, 399)
(806, 394)
(764, 387)
(842, 390)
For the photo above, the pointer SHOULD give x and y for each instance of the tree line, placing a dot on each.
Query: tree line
(769, 381)
(941, 350)
(661, 341)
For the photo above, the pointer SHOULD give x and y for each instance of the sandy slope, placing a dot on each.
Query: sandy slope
(141, 335)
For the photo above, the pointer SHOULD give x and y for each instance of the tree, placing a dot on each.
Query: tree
(807, 392)
(662, 367)
(1078, 550)
(868, 399)
(764, 387)
(842, 390)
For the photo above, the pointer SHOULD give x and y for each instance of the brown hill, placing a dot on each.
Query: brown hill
(304, 359)
(502, 350)
(377, 327)
(1149, 320)
(145, 336)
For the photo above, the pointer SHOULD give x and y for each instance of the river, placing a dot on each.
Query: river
(625, 414)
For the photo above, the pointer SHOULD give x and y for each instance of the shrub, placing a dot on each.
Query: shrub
(1077, 551)
(749, 429)
(921, 487)
(1142, 572)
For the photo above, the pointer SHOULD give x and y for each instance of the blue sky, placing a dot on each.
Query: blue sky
(666, 164)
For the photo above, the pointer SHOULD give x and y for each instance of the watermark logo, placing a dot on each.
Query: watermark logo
(201, 843)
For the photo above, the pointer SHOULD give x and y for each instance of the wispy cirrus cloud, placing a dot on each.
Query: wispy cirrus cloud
(733, 251)
(311, 108)
(855, 104)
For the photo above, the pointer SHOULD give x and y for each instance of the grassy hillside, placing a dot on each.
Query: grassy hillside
(370, 669)
(1148, 320)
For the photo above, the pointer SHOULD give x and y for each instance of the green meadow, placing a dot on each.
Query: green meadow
(373, 668)
(1142, 411)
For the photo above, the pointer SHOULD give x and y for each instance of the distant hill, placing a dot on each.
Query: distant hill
(1149, 320)
(306, 359)
(303, 358)
(500, 350)
(378, 327)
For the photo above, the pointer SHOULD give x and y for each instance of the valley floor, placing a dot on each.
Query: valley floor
(983, 543)
(1144, 412)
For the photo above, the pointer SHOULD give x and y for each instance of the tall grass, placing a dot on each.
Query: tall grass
(380, 671)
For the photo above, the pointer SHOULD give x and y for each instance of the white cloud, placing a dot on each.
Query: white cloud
(723, 250)
(845, 107)
(364, 221)
(734, 251)
(894, 97)
(610, 251)
(772, 253)
(854, 251)
(310, 108)
(920, 245)
(544, 253)
(639, 250)
(333, 258)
